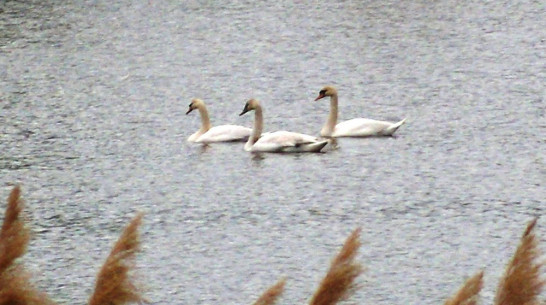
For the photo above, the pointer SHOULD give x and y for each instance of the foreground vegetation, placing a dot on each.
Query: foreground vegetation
(521, 283)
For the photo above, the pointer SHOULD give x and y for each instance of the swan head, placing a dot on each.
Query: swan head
(251, 104)
(326, 91)
(195, 104)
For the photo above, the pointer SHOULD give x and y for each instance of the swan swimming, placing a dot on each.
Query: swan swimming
(278, 141)
(209, 134)
(356, 127)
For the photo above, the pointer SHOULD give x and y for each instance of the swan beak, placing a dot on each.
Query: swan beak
(245, 110)
(189, 110)
(319, 97)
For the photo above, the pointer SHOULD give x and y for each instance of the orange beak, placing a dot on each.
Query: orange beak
(319, 97)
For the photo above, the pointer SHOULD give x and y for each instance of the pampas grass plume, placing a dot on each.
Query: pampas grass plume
(468, 294)
(15, 286)
(114, 285)
(521, 283)
(270, 296)
(338, 284)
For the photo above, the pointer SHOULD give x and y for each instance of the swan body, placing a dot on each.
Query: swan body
(222, 133)
(286, 141)
(356, 127)
(209, 134)
(278, 141)
(362, 128)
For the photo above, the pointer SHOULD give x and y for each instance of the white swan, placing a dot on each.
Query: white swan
(356, 127)
(279, 141)
(209, 134)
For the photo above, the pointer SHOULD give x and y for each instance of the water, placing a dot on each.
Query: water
(93, 96)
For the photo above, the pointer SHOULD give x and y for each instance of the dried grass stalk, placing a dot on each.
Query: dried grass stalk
(468, 293)
(521, 283)
(338, 284)
(114, 285)
(15, 287)
(270, 296)
(14, 236)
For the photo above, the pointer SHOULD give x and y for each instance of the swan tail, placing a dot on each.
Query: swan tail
(303, 147)
(394, 127)
(316, 147)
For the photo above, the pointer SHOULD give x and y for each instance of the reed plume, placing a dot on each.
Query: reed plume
(15, 287)
(14, 236)
(468, 293)
(521, 283)
(338, 284)
(270, 296)
(114, 285)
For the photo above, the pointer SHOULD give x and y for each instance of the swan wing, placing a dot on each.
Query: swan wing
(225, 133)
(365, 128)
(286, 141)
(287, 138)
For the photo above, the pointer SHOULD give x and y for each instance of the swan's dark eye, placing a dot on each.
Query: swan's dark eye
(191, 105)
(322, 92)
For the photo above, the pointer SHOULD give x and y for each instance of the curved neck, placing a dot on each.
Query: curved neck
(258, 126)
(330, 125)
(205, 121)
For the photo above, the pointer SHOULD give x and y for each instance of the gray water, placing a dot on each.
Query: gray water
(93, 96)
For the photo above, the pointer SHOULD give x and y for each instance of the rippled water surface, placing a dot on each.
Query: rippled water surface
(92, 102)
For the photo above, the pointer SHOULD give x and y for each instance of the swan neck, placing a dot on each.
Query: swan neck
(205, 120)
(258, 126)
(332, 117)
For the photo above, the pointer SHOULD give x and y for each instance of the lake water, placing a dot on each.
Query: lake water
(92, 102)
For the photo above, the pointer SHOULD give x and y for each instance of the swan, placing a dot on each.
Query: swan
(356, 127)
(278, 141)
(209, 134)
